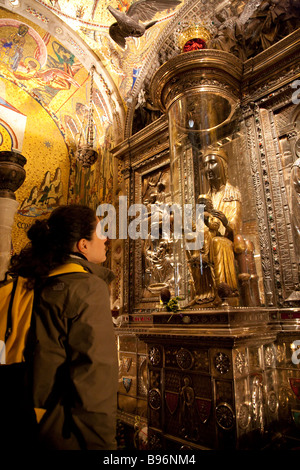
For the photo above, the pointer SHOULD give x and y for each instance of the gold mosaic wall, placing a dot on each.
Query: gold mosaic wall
(44, 99)
(47, 167)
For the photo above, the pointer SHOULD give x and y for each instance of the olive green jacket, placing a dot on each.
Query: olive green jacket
(72, 358)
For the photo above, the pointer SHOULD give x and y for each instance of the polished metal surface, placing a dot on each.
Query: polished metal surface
(221, 376)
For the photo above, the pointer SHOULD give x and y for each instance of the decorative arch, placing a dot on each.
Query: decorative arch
(45, 19)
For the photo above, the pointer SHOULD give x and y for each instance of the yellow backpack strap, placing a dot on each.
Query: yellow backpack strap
(68, 268)
(17, 326)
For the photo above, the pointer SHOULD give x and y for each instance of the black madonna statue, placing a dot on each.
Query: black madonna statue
(223, 221)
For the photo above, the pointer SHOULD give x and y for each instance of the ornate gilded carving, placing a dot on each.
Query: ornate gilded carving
(255, 165)
(154, 398)
(256, 388)
(240, 362)
(272, 401)
(142, 376)
(208, 69)
(154, 356)
(222, 363)
(157, 254)
(284, 398)
(184, 359)
(280, 354)
(269, 356)
(251, 386)
(276, 137)
(141, 164)
(244, 416)
(276, 213)
(154, 379)
(225, 416)
(187, 416)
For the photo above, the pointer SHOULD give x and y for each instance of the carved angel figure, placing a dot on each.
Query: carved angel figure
(128, 24)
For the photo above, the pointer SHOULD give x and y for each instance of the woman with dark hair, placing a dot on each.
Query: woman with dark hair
(71, 348)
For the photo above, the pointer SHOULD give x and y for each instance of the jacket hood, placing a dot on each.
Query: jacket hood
(104, 273)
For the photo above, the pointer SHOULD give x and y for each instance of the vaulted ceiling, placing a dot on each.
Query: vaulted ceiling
(82, 26)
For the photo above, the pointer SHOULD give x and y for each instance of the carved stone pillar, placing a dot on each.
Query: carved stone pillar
(12, 176)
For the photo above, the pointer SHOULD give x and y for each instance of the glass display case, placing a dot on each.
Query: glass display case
(216, 247)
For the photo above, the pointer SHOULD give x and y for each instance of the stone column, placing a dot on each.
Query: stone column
(12, 176)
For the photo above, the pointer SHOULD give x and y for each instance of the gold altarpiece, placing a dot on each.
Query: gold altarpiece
(223, 370)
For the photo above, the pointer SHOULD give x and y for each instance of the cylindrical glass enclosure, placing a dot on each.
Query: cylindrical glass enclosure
(203, 129)
(216, 255)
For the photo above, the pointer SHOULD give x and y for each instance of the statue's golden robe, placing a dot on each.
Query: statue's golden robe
(228, 201)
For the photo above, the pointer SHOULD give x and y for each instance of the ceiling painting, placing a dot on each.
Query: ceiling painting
(92, 20)
(38, 63)
(84, 27)
(45, 97)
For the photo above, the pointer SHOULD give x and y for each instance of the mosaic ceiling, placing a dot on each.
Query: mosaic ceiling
(124, 66)
(91, 20)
